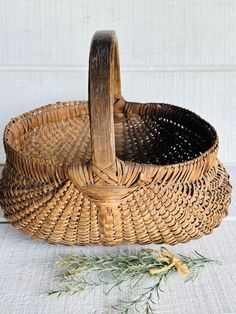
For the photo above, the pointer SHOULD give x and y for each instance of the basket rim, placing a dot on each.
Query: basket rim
(18, 158)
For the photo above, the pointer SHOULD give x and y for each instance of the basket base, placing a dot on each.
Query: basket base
(154, 213)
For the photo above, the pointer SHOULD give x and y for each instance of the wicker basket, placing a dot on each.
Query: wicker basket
(108, 171)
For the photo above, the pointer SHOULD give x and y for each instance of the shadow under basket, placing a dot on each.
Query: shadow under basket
(108, 171)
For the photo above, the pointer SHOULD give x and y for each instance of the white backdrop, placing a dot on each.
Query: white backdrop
(175, 51)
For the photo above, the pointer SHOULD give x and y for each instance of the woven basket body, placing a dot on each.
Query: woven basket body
(109, 171)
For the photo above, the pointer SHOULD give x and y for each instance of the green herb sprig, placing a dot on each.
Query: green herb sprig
(149, 268)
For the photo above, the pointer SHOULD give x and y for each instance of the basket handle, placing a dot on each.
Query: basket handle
(104, 87)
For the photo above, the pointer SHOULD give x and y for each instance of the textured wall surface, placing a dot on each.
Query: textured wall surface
(175, 51)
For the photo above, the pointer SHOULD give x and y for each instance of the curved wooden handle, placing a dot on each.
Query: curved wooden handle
(104, 87)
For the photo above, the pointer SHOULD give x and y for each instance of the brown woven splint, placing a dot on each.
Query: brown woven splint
(108, 171)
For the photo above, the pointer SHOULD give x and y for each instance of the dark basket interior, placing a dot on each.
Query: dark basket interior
(152, 133)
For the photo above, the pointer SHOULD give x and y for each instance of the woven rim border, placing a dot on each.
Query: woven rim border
(53, 171)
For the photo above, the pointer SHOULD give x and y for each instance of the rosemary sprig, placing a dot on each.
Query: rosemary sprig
(149, 268)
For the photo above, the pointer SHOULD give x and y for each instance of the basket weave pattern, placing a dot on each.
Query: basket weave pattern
(78, 173)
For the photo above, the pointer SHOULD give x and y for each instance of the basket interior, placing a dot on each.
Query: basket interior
(164, 135)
